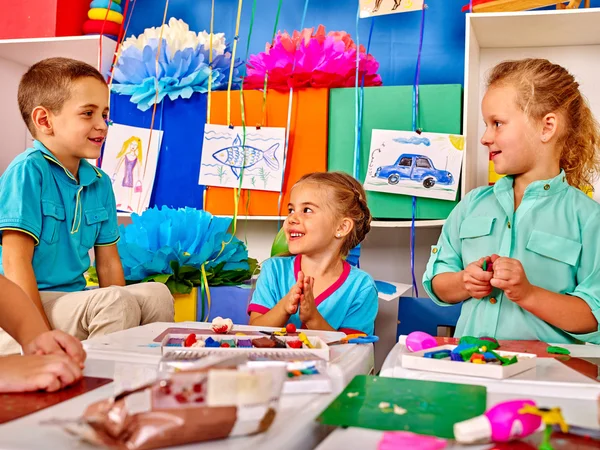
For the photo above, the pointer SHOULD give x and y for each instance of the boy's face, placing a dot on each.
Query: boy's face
(79, 129)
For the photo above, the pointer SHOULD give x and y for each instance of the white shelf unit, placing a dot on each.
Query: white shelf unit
(16, 56)
(570, 38)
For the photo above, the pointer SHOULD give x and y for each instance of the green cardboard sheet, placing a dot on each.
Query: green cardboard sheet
(432, 408)
(390, 108)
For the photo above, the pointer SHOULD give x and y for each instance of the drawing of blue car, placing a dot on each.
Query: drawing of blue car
(417, 168)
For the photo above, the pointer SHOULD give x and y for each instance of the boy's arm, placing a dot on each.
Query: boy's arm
(108, 266)
(17, 256)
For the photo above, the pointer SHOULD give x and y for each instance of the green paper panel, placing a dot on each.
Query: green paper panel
(432, 408)
(390, 108)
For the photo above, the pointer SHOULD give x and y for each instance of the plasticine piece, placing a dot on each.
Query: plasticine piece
(557, 350)
(211, 343)
(244, 343)
(263, 342)
(489, 343)
(477, 357)
(418, 340)
(278, 342)
(290, 328)
(440, 354)
(189, 340)
(198, 344)
(229, 342)
(463, 352)
(294, 344)
(221, 326)
(393, 440)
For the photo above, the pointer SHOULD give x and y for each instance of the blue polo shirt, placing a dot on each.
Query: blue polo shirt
(350, 304)
(66, 217)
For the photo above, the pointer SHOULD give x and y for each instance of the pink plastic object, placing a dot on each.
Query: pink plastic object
(502, 423)
(394, 440)
(419, 340)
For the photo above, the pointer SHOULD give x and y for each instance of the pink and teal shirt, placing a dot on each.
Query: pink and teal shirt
(349, 305)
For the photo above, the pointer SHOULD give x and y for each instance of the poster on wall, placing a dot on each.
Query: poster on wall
(130, 159)
(256, 157)
(421, 165)
(369, 8)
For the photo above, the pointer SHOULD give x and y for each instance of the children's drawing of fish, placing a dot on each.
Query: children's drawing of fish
(239, 156)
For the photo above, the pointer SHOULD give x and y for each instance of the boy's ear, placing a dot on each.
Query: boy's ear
(42, 121)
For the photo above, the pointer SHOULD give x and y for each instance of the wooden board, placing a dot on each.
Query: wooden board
(15, 406)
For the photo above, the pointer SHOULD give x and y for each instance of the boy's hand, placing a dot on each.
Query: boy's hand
(34, 372)
(292, 299)
(509, 276)
(56, 342)
(476, 280)
(308, 309)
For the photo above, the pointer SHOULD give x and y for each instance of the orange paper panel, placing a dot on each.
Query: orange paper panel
(307, 151)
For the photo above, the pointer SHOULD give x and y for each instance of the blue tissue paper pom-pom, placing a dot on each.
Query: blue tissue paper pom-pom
(180, 75)
(189, 236)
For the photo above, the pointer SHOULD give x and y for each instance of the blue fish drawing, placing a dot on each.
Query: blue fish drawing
(414, 140)
(239, 156)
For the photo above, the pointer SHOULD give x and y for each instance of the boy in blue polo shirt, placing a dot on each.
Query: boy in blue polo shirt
(55, 207)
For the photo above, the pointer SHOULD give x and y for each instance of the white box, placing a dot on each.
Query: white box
(321, 349)
(417, 360)
(570, 38)
(16, 56)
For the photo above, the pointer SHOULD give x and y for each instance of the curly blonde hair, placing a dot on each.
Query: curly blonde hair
(350, 200)
(543, 88)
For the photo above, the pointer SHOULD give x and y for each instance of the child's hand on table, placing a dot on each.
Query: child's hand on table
(56, 342)
(509, 276)
(36, 372)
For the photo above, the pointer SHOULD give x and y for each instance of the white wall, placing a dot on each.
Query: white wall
(14, 132)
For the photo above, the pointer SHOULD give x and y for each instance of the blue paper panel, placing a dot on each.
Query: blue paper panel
(421, 314)
(228, 302)
(182, 120)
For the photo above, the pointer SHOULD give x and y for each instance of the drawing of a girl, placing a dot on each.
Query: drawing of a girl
(130, 157)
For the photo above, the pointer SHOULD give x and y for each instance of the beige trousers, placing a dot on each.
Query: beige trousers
(96, 312)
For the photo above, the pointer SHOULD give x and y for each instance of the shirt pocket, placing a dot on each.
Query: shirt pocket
(53, 218)
(93, 221)
(554, 247)
(476, 238)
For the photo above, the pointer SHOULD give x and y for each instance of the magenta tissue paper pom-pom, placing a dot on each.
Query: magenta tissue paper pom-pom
(321, 60)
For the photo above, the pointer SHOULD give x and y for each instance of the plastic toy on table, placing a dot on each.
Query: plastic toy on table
(418, 340)
(502, 423)
(358, 338)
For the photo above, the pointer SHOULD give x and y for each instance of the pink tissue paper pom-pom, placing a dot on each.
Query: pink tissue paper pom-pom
(318, 59)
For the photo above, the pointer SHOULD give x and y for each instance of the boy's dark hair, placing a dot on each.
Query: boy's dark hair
(48, 83)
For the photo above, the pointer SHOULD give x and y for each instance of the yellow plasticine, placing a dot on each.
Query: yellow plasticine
(100, 14)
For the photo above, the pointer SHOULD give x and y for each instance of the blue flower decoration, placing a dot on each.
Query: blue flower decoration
(189, 237)
(179, 75)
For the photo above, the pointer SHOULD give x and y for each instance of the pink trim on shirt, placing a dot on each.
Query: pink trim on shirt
(253, 307)
(350, 331)
(331, 289)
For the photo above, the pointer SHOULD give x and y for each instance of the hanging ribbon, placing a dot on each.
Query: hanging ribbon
(102, 34)
(120, 39)
(359, 106)
(156, 87)
(415, 126)
(209, 90)
(471, 6)
(289, 120)
(265, 88)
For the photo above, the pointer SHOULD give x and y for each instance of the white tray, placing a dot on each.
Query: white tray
(418, 361)
(321, 348)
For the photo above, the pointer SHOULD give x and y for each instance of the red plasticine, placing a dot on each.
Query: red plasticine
(290, 328)
(190, 340)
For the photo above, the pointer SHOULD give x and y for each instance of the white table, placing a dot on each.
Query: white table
(111, 357)
(550, 384)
